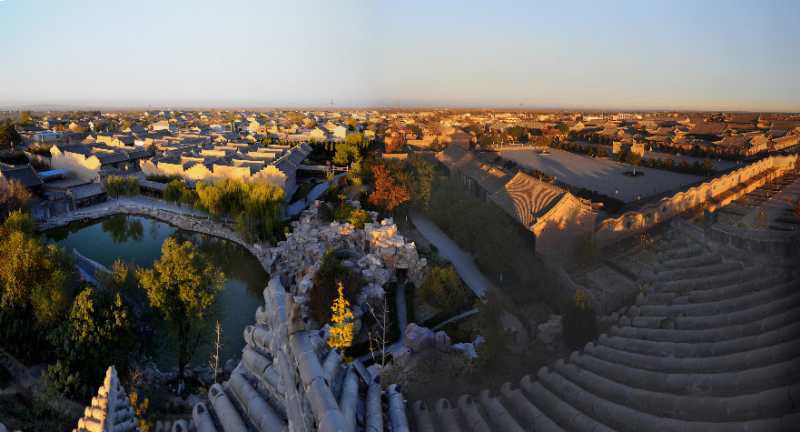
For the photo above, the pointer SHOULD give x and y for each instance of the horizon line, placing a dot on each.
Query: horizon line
(63, 107)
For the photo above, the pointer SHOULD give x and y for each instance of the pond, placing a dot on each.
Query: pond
(137, 240)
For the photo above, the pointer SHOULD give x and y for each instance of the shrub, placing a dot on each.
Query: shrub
(443, 289)
(579, 321)
(359, 217)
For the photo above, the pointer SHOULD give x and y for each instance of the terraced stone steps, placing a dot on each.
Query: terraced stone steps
(693, 383)
(712, 344)
(734, 361)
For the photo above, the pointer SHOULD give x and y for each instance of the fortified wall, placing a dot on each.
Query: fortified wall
(713, 194)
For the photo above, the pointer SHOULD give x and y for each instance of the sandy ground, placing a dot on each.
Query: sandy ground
(601, 175)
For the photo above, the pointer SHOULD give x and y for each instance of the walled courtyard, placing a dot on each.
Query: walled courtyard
(601, 175)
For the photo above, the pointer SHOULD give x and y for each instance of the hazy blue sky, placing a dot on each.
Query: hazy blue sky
(623, 54)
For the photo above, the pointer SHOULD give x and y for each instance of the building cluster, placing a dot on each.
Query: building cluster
(742, 135)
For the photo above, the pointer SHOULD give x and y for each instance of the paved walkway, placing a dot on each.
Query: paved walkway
(462, 261)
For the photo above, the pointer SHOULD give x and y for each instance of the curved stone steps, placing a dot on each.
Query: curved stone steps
(778, 335)
(755, 312)
(697, 271)
(709, 335)
(710, 282)
(754, 406)
(738, 361)
(624, 418)
(696, 261)
(729, 305)
(694, 383)
(732, 291)
(688, 251)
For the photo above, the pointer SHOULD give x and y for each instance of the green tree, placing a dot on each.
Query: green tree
(9, 137)
(36, 282)
(443, 289)
(349, 150)
(359, 217)
(255, 207)
(121, 186)
(182, 286)
(97, 333)
(19, 221)
(173, 190)
(13, 196)
(422, 175)
(33, 277)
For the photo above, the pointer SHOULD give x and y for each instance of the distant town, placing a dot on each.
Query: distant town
(235, 270)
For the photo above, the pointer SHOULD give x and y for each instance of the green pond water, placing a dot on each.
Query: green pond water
(137, 240)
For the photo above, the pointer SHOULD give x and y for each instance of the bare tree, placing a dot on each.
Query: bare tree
(378, 334)
(215, 358)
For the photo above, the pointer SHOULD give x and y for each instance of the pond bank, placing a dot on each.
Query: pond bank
(183, 218)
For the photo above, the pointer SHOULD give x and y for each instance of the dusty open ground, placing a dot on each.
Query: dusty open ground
(601, 175)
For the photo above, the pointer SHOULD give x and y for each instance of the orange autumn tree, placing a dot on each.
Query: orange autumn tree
(388, 193)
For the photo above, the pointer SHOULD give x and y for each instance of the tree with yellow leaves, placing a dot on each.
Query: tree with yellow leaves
(342, 318)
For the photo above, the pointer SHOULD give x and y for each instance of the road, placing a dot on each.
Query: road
(462, 261)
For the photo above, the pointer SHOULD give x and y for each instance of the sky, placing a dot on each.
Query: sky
(698, 55)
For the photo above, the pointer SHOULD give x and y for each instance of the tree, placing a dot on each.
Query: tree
(96, 333)
(33, 278)
(579, 321)
(443, 289)
(182, 286)
(388, 194)
(330, 275)
(119, 186)
(359, 217)
(173, 191)
(214, 361)
(349, 150)
(378, 334)
(13, 196)
(9, 137)
(19, 221)
(255, 207)
(341, 334)
(421, 174)
(563, 128)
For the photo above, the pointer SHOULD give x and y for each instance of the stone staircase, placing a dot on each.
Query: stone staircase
(713, 344)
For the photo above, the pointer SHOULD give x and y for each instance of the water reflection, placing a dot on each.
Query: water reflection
(122, 237)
